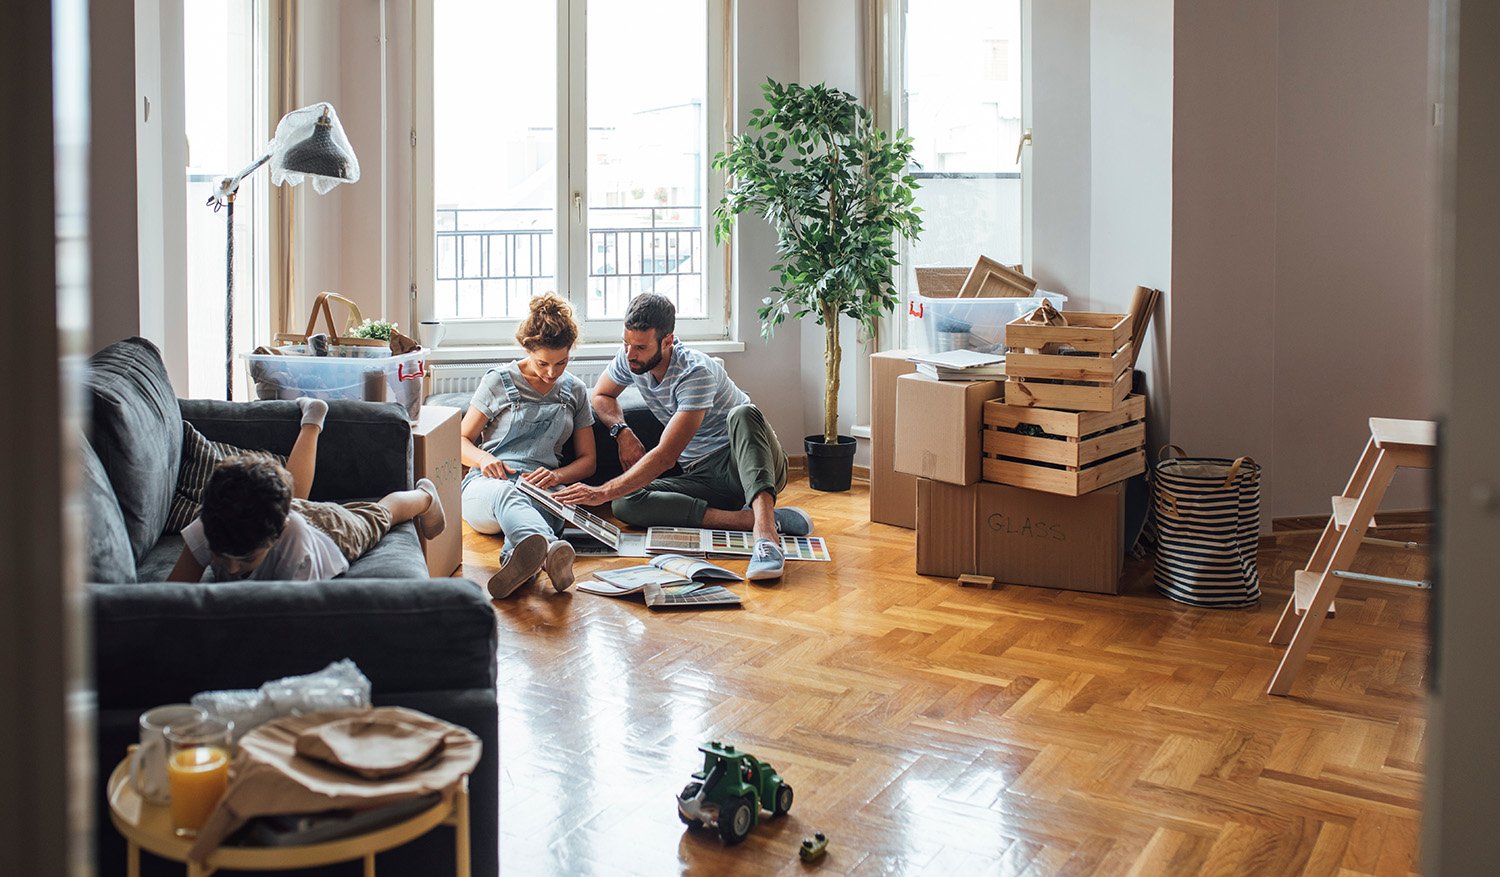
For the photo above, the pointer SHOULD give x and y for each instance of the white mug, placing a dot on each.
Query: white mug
(430, 333)
(148, 767)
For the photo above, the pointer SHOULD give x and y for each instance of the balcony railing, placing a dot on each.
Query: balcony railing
(491, 262)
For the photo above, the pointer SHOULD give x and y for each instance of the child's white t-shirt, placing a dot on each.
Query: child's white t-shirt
(302, 554)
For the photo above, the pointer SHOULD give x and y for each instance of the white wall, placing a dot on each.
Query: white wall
(1060, 149)
(770, 371)
(114, 260)
(829, 51)
(1303, 209)
(1224, 230)
(1130, 175)
(1100, 110)
(321, 237)
(1355, 194)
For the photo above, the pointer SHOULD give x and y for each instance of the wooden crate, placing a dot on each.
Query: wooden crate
(1090, 449)
(1096, 379)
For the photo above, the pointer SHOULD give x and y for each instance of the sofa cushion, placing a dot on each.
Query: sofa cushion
(364, 452)
(110, 556)
(199, 457)
(159, 560)
(397, 556)
(137, 432)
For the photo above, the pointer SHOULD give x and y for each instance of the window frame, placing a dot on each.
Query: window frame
(890, 37)
(571, 225)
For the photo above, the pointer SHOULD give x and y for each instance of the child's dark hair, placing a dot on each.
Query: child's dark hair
(245, 503)
(651, 311)
(549, 326)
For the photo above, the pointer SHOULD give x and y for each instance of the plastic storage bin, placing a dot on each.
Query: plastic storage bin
(972, 323)
(376, 379)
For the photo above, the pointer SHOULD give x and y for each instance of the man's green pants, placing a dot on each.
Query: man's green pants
(729, 478)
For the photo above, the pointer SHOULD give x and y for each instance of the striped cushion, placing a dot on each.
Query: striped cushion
(199, 457)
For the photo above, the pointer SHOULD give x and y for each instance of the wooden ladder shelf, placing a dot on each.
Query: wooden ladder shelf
(1392, 445)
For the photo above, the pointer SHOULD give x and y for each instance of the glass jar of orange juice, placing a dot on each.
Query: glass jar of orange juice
(197, 770)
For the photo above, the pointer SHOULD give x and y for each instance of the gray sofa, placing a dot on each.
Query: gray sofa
(425, 643)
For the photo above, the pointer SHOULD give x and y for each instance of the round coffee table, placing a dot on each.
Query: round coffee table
(148, 827)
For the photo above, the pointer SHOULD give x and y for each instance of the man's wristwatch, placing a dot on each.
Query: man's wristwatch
(614, 431)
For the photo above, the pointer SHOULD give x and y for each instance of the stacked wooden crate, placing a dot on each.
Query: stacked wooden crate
(1068, 423)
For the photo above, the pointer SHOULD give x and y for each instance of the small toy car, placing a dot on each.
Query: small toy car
(730, 791)
(813, 847)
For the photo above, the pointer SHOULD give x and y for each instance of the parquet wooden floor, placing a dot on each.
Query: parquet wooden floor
(933, 729)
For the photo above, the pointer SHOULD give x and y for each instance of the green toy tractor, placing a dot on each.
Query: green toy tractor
(730, 792)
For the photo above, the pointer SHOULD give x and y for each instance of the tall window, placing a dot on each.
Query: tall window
(570, 149)
(961, 103)
(226, 108)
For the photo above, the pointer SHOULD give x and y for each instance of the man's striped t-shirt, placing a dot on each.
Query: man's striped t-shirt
(694, 382)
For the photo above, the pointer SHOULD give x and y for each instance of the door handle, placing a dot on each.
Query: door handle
(578, 207)
(1021, 144)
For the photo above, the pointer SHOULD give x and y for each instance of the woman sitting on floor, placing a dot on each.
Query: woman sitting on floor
(519, 420)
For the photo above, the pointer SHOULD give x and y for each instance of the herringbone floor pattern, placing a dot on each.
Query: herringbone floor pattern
(932, 729)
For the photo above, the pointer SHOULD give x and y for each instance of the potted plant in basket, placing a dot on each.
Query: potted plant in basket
(834, 187)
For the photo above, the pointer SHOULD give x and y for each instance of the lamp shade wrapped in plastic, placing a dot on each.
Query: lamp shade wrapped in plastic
(310, 145)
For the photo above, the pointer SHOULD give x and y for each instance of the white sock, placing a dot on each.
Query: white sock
(313, 411)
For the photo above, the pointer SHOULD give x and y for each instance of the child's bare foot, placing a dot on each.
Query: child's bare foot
(313, 411)
(431, 522)
(559, 564)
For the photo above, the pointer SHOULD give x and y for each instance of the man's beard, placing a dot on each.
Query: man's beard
(648, 365)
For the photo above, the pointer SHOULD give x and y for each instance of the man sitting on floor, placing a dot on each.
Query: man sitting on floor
(733, 465)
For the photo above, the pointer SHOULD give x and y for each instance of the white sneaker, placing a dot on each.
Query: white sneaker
(521, 566)
(559, 564)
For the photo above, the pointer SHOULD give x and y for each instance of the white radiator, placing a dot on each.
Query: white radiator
(463, 377)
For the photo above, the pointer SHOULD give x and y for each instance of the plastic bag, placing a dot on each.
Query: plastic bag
(298, 127)
(340, 685)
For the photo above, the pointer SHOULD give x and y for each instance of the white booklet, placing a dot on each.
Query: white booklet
(958, 358)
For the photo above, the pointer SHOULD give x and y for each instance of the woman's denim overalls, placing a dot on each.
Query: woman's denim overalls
(532, 435)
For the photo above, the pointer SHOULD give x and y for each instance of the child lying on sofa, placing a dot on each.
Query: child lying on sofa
(257, 521)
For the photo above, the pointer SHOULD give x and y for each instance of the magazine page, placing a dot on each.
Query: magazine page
(698, 597)
(630, 579)
(694, 568)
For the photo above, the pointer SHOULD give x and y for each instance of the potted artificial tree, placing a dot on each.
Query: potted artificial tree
(834, 187)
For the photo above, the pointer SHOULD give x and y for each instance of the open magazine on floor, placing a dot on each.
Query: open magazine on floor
(661, 589)
(729, 543)
(619, 543)
(667, 571)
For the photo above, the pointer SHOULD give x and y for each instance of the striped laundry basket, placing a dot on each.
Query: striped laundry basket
(1206, 513)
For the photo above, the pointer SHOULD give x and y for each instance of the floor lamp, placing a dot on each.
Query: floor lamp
(309, 145)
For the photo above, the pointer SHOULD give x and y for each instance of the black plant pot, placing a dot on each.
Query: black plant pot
(829, 467)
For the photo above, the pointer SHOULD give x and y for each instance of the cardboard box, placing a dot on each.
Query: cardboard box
(938, 427)
(435, 455)
(893, 495)
(1022, 537)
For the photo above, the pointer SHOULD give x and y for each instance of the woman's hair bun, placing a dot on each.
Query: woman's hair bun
(549, 324)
